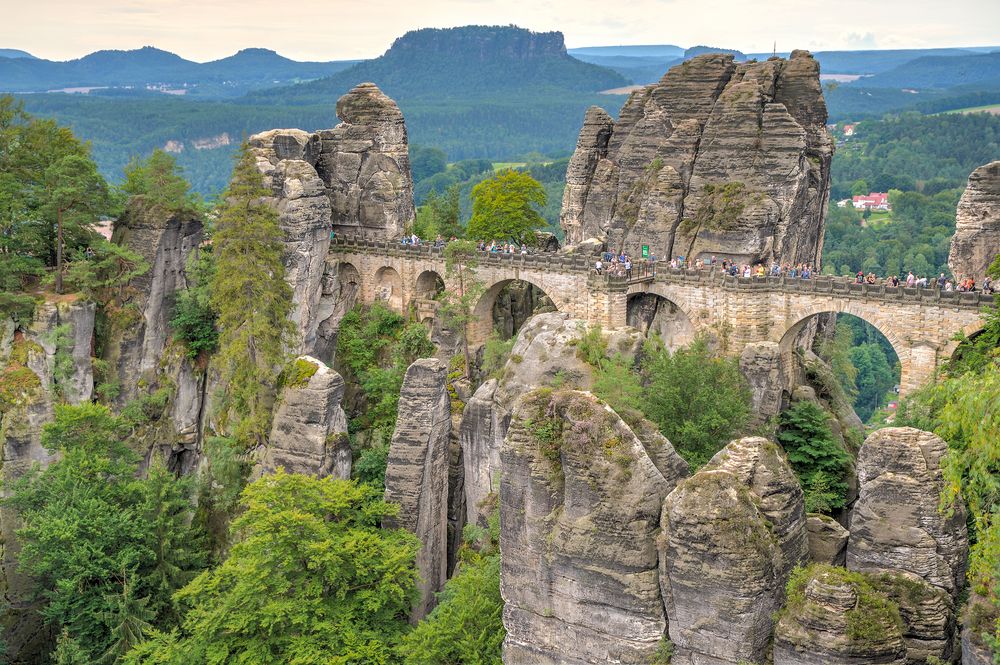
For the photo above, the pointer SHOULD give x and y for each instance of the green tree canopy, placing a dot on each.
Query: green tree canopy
(311, 579)
(506, 207)
(820, 463)
(159, 180)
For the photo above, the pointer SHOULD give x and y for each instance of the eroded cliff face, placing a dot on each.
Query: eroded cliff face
(41, 363)
(719, 157)
(977, 225)
(579, 512)
(353, 179)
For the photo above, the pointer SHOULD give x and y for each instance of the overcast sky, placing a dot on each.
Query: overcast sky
(337, 30)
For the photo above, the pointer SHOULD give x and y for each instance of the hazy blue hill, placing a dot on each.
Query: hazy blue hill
(248, 69)
(940, 72)
(876, 62)
(647, 51)
(14, 53)
(638, 69)
(469, 62)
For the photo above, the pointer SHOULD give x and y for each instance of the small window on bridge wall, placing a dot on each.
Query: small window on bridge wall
(862, 361)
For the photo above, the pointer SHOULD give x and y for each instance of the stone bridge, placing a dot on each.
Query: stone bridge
(919, 323)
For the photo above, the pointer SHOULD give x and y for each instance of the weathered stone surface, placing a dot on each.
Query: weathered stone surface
(979, 617)
(763, 467)
(416, 477)
(580, 502)
(340, 290)
(309, 429)
(166, 241)
(928, 614)
(895, 524)
(827, 539)
(478, 436)
(760, 364)
(815, 631)
(652, 314)
(719, 570)
(286, 158)
(649, 177)
(977, 225)
(365, 164)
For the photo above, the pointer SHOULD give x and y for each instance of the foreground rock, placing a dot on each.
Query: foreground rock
(720, 567)
(416, 476)
(718, 157)
(580, 503)
(895, 524)
(834, 617)
(977, 225)
(309, 430)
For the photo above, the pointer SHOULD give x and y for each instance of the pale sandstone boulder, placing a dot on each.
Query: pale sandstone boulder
(416, 476)
(827, 540)
(896, 524)
(580, 507)
(309, 429)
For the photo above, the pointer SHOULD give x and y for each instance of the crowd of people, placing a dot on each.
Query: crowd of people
(615, 265)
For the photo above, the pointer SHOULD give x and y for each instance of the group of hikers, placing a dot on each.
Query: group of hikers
(964, 285)
(615, 265)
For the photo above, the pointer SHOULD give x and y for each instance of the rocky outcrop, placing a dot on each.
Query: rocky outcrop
(353, 179)
(718, 157)
(580, 501)
(838, 618)
(827, 540)
(138, 342)
(763, 467)
(416, 477)
(760, 364)
(720, 571)
(309, 428)
(300, 198)
(544, 354)
(977, 225)
(895, 524)
(47, 361)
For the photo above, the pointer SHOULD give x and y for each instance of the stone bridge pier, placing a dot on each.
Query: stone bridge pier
(921, 324)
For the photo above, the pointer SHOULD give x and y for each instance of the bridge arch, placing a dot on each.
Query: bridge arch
(429, 284)
(654, 310)
(389, 288)
(902, 347)
(482, 313)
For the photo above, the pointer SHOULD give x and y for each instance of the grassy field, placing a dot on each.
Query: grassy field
(879, 218)
(993, 109)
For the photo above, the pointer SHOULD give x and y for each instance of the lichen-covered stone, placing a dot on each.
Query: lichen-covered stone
(896, 524)
(580, 503)
(834, 617)
(763, 467)
(760, 364)
(720, 564)
(827, 540)
(718, 157)
(416, 476)
(977, 225)
(309, 429)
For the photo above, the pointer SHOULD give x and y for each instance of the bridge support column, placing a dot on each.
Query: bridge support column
(607, 302)
(919, 369)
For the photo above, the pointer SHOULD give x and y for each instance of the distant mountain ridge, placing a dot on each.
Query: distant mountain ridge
(940, 72)
(14, 53)
(247, 69)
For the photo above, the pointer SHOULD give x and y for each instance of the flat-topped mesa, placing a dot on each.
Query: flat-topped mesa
(718, 157)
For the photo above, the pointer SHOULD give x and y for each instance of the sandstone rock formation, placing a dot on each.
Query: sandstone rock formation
(895, 524)
(353, 179)
(827, 540)
(31, 381)
(763, 467)
(416, 477)
(977, 224)
(760, 364)
(838, 618)
(479, 437)
(309, 429)
(652, 314)
(580, 501)
(720, 566)
(716, 158)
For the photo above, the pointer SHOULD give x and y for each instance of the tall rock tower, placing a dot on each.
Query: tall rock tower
(718, 157)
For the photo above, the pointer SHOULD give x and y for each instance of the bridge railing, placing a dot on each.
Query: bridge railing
(644, 272)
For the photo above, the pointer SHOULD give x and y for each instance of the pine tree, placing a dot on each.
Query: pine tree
(253, 301)
(129, 619)
(159, 180)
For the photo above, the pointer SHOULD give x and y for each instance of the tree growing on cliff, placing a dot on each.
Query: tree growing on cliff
(506, 207)
(253, 301)
(159, 180)
(457, 308)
